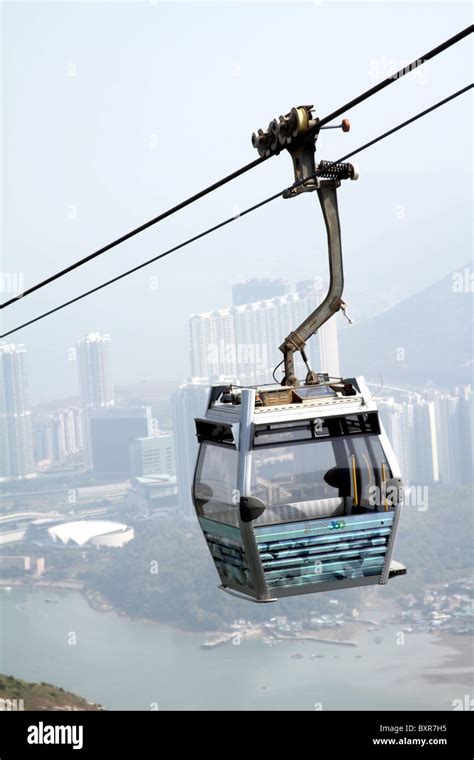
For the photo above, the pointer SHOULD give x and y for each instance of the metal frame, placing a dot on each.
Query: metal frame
(245, 415)
(394, 466)
(296, 340)
(243, 488)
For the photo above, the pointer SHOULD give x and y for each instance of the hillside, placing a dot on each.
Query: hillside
(41, 696)
(424, 339)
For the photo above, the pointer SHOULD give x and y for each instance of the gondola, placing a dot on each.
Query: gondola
(296, 488)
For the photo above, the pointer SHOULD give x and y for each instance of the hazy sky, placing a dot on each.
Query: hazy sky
(114, 111)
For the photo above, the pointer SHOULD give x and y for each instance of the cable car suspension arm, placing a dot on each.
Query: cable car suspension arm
(298, 132)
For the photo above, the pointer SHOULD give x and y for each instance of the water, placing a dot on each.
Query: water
(125, 664)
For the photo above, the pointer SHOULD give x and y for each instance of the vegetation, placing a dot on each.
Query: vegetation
(436, 544)
(166, 573)
(39, 696)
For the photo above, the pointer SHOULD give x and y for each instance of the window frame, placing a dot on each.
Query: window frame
(228, 506)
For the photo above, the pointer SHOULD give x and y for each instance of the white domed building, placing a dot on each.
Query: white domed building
(92, 533)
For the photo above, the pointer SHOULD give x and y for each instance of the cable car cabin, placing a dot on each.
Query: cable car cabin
(296, 489)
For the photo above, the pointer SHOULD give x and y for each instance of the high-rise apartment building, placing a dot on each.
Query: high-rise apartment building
(112, 431)
(16, 434)
(153, 456)
(243, 342)
(188, 402)
(432, 437)
(424, 443)
(397, 420)
(58, 436)
(96, 389)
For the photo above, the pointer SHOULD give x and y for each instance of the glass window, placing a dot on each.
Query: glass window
(215, 484)
(369, 469)
(314, 479)
(282, 474)
(353, 424)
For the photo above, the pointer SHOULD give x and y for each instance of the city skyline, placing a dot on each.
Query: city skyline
(70, 353)
(431, 434)
(242, 341)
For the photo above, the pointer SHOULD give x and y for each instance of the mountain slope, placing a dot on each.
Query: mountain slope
(426, 338)
(39, 696)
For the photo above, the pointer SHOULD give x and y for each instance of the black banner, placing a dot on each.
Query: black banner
(163, 733)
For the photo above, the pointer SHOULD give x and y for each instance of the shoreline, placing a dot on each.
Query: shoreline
(458, 666)
(95, 599)
(461, 658)
(99, 603)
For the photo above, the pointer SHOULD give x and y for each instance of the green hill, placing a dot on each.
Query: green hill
(39, 696)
